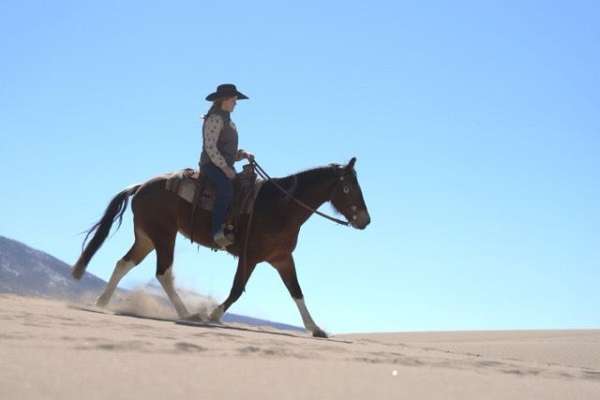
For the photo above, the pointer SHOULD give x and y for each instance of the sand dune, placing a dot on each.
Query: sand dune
(52, 350)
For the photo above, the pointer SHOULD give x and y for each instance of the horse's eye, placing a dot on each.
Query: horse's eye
(346, 189)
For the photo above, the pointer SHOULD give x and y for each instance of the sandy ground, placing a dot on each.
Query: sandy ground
(51, 350)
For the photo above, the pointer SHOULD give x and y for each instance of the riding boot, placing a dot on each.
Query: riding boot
(222, 239)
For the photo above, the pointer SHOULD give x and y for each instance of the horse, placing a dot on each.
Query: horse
(158, 215)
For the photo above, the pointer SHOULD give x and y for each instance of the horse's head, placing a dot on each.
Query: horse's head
(347, 197)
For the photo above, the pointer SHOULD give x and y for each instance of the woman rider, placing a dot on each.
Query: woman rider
(219, 153)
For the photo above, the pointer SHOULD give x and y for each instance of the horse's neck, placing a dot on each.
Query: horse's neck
(312, 191)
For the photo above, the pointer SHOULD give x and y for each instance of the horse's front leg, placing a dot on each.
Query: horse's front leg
(239, 285)
(287, 271)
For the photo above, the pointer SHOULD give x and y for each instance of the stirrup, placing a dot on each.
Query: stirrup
(222, 240)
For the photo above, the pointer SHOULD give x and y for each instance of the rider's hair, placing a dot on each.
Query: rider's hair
(216, 105)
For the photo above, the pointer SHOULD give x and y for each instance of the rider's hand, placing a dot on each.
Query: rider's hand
(248, 156)
(229, 172)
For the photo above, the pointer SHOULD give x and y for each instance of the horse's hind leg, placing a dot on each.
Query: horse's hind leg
(164, 272)
(140, 249)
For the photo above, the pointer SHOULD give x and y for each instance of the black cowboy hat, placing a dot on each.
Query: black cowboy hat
(226, 90)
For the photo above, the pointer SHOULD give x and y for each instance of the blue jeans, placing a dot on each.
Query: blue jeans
(224, 195)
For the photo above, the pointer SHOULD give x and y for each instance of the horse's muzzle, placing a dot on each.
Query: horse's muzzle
(362, 220)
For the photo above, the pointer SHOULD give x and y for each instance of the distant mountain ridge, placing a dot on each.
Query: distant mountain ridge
(30, 272)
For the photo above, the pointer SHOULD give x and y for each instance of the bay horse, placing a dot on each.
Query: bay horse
(158, 215)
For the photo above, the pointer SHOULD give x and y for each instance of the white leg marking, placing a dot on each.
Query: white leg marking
(166, 281)
(121, 269)
(309, 324)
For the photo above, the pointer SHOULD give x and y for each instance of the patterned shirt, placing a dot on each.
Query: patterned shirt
(212, 129)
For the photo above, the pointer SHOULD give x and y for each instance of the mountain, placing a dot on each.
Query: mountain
(30, 272)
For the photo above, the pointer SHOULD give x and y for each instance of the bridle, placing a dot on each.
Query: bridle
(263, 174)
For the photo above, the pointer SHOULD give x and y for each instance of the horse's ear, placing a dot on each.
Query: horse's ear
(350, 165)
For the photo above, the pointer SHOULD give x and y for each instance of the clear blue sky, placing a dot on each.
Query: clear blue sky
(475, 124)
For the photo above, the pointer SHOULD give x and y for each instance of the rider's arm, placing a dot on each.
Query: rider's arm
(212, 129)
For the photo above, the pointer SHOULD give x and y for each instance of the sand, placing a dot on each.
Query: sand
(52, 350)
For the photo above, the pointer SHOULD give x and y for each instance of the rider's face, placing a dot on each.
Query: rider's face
(229, 103)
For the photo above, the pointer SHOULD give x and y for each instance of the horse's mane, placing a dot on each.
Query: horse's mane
(311, 175)
(297, 183)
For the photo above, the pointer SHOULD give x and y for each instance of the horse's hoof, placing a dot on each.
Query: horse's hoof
(318, 332)
(101, 302)
(216, 315)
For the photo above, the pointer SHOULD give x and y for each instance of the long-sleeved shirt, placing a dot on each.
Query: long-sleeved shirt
(220, 140)
(211, 131)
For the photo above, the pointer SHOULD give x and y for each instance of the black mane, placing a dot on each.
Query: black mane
(299, 182)
(309, 176)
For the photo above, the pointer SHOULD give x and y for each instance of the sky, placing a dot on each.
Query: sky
(475, 125)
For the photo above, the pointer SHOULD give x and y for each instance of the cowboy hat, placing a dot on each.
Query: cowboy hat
(226, 90)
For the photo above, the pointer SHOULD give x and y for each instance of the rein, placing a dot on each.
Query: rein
(263, 174)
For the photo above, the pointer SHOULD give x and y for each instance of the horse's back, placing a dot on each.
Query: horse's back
(153, 196)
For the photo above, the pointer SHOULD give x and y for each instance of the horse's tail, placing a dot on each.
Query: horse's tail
(116, 208)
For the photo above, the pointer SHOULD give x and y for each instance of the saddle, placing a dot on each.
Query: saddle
(195, 188)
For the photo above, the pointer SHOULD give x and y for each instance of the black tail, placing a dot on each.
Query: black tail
(116, 208)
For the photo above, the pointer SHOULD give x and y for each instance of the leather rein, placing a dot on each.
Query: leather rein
(263, 174)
